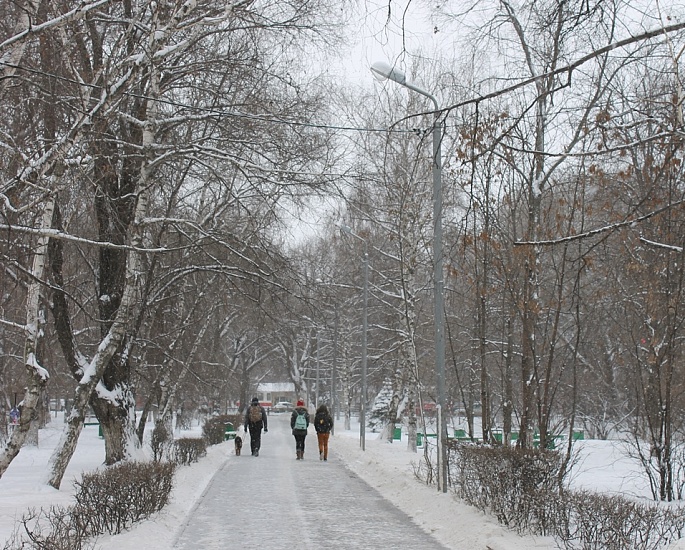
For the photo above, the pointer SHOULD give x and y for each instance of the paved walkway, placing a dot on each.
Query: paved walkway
(275, 502)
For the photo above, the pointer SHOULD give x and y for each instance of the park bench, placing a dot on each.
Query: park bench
(229, 431)
(461, 435)
(420, 438)
(93, 421)
(552, 440)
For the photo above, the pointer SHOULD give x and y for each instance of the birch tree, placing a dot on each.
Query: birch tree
(163, 110)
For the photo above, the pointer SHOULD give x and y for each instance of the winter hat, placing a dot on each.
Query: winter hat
(300, 403)
(255, 400)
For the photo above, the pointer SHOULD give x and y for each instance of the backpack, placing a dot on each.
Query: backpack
(323, 422)
(300, 421)
(255, 414)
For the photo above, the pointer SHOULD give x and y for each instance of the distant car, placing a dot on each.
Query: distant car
(282, 406)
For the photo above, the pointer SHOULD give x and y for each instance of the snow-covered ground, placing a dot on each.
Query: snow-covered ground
(387, 467)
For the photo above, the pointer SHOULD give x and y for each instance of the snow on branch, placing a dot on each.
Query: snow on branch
(12, 324)
(600, 230)
(566, 69)
(56, 234)
(74, 14)
(661, 245)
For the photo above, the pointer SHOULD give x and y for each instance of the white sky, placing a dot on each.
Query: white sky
(383, 34)
(373, 37)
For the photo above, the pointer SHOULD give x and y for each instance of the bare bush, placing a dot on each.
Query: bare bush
(106, 502)
(517, 486)
(603, 522)
(55, 529)
(161, 441)
(214, 428)
(524, 490)
(122, 495)
(188, 450)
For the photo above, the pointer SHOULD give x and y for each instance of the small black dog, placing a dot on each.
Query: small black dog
(238, 444)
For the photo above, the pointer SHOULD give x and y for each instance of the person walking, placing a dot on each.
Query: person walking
(323, 424)
(299, 422)
(255, 420)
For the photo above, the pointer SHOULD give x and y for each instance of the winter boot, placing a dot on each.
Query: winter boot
(299, 455)
(320, 455)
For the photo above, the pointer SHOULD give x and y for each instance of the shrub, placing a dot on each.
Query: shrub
(188, 450)
(516, 485)
(109, 501)
(523, 489)
(161, 441)
(605, 522)
(54, 529)
(214, 428)
(123, 494)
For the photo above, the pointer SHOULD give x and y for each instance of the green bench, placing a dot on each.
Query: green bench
(551, 443)
(420, 437)
(397, 434)
(229, 431)
(461, 435)
(499, 436)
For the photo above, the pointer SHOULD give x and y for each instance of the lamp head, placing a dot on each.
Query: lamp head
(344, 228)
(382, 70)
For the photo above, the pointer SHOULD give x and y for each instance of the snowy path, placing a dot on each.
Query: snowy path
(274, 501)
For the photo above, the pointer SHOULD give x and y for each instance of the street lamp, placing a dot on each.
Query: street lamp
(334, 373)
(362, 405)
(382, 70)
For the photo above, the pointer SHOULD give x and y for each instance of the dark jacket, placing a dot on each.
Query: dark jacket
(293, 417)
(249, 424)
(323, 423)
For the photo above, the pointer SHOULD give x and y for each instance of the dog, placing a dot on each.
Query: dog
(238, 441)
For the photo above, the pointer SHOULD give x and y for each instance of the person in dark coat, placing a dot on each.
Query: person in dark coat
(323, 424)
(299, 427)
(255, 420)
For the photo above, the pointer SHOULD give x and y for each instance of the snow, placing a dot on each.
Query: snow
(388, 467)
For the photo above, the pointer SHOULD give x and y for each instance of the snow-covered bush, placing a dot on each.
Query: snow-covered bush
(612, 522)
(109, 501)
(518, 486)
(214, 428)
(381, 406)
(160, 442)
(53, 529)
(123, 494)
(523, 491)
(188, 450)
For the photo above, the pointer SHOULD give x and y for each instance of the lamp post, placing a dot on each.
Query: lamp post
(334, 373)
(318, 369)
(365, 266)
(382, 71)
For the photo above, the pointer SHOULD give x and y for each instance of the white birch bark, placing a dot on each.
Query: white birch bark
(36, 375)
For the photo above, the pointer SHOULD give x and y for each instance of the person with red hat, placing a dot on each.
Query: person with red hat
(299, 422)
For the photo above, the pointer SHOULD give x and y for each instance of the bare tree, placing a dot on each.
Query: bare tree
(153, 133)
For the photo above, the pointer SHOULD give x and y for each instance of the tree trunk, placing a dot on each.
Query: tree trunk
(411, 420)
(36, 375)
(110, 344)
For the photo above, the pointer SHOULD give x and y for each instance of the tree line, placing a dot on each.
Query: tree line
(149, 150)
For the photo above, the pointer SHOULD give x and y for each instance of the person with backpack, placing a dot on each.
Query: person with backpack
(255, 420)
(323, 424)
(299, 422)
